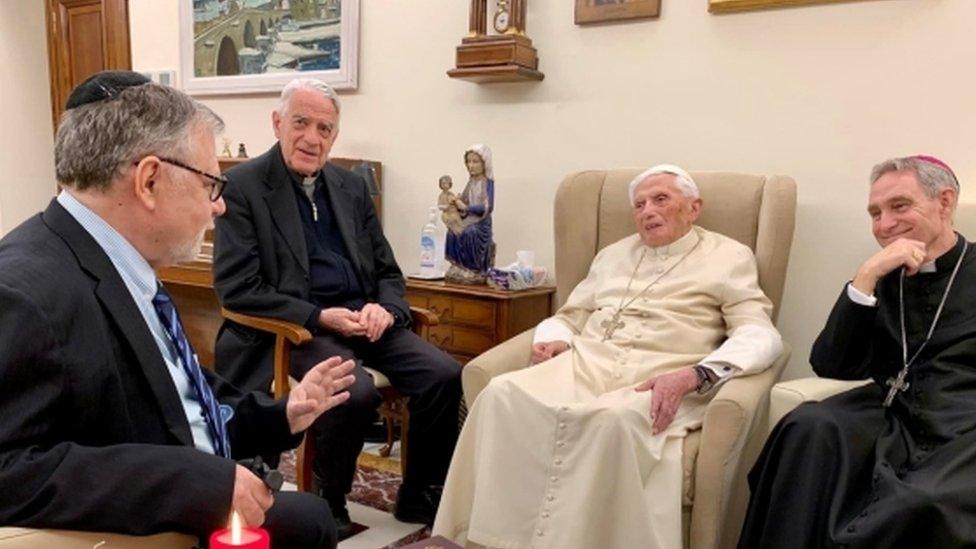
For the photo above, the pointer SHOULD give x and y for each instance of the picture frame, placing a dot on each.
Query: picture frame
(258, 46)
(601, 11)
(731, 6)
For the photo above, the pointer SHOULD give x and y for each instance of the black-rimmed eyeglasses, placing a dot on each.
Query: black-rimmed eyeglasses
(218, 182)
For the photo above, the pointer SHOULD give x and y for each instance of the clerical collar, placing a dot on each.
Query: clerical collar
(680, 246)
(946, 261)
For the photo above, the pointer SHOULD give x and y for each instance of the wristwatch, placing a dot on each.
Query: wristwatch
(706, 379)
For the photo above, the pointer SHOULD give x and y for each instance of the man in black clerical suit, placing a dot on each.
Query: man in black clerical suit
(892, 463)
(107, 421)
(301, 242)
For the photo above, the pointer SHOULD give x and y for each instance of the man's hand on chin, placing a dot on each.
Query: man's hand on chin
(903, 252)
(667, 392)
(322, 388)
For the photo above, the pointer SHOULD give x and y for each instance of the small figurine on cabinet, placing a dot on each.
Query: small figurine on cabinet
(471, 251)
(226, 152)
(241, 151)
(447, 204)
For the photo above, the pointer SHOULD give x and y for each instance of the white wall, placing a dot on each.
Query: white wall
(819, 93)
(26, 140)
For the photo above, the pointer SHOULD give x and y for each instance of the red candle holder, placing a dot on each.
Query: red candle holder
(238, 537)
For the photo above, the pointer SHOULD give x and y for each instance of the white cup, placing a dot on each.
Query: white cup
(526, 258)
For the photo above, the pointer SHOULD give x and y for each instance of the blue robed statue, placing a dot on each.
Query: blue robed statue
(469, 246)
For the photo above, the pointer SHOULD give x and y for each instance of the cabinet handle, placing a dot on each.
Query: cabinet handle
(438, 312)
(438, 340)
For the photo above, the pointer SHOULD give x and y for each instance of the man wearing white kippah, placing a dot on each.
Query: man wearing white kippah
(584, 449)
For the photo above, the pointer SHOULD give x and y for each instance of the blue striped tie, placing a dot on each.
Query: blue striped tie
(211, 408)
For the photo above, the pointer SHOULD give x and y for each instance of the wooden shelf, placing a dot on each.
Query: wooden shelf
(498, 73)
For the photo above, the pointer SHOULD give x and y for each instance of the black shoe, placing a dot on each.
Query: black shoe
(341, 517)
(418, 506)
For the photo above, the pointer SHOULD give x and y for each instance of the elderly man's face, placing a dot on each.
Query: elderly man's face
(186, 209)
(899, 208)
(306, 129)
(662, 212)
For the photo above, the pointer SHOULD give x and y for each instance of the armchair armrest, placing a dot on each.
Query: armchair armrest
(288, 334)
(508, 356)
(789, 394)
(733, 433)
(295, 333)
(423, 317)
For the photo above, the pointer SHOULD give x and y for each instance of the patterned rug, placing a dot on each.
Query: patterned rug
(375, 485)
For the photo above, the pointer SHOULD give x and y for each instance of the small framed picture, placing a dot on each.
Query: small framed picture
(599, 11)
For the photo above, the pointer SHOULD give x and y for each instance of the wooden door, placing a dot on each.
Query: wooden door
(84, 37)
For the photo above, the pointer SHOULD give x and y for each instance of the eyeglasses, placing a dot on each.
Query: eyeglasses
(218, 181)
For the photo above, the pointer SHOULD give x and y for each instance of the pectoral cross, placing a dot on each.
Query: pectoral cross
(896, 384)
(611, 324)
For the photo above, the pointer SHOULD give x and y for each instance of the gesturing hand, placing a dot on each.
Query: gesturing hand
(251, 497)
(342, 321)
(376, 319)
(545, 350)
(322, 388)
(668, 390)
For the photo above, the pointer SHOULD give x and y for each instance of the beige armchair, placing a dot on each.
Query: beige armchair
(789, 394)
(592, 210)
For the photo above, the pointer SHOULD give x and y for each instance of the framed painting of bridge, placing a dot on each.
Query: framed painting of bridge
(257, 46)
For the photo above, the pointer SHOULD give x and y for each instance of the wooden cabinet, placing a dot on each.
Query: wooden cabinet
(474, 319)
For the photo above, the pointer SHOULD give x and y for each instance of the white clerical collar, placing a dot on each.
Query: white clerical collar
(680, 246)
(927, 267)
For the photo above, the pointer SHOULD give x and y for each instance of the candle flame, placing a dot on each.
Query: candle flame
(235, 528)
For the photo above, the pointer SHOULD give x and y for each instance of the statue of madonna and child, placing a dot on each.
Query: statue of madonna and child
(469, 247)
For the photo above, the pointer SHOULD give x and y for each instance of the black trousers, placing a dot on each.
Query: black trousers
(429, 376)
(300, 520)
(297, 520)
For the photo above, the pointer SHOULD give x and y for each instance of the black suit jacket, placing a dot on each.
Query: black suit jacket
(261, 260)
(93, 435)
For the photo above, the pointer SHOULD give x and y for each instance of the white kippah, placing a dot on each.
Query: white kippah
(685, 182)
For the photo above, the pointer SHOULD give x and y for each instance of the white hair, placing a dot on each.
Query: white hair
(313, 84)
(682, 180)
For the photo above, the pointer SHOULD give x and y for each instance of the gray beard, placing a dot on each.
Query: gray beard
(189, 250)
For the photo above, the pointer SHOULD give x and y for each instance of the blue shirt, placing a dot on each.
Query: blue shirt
(141, 281)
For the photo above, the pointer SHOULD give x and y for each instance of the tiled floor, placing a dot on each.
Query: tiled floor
(383, 528)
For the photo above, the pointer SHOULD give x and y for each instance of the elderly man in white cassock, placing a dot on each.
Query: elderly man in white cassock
(583, 449)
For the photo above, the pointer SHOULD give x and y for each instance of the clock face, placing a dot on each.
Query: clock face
(501, 20)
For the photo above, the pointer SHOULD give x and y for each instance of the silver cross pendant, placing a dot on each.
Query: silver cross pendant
(610, 325)
(896, 384)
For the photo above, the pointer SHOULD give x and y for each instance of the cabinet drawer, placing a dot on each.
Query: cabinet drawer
(417, 300)
(458, 310)
(458, 339)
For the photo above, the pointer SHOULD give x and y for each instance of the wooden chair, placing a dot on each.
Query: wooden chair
(393, 409)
